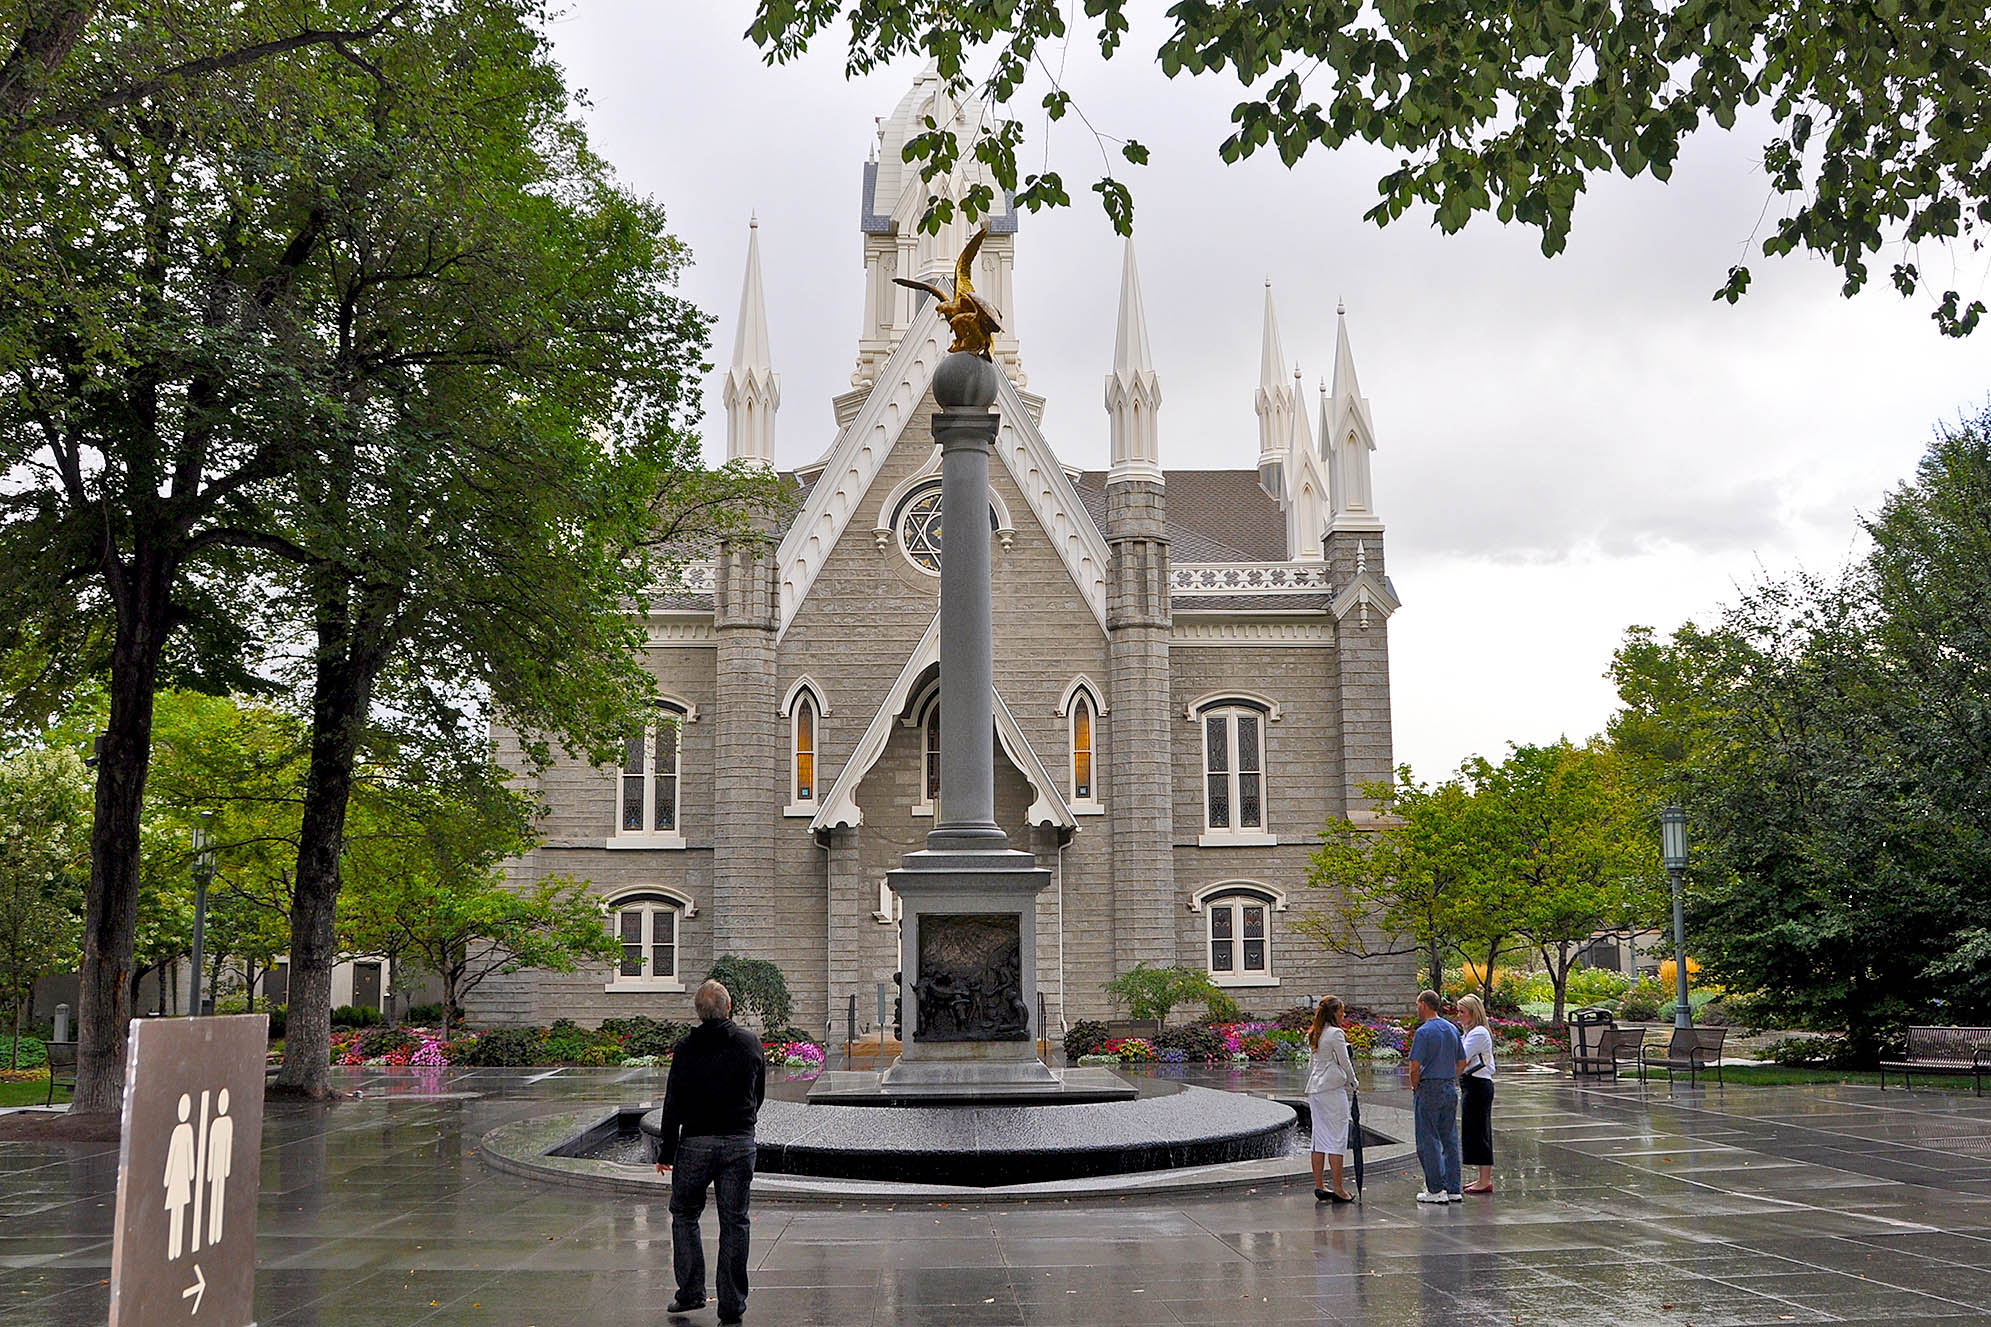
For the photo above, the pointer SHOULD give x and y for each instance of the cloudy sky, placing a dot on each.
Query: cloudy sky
(1566, 447)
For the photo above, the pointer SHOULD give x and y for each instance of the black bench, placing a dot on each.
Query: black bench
(1693, 1049)
(1616, 1045)
(61, 1065)
(1943, 1050)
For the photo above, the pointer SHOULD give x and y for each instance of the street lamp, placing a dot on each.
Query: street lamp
(1673, 856)
(203, 877)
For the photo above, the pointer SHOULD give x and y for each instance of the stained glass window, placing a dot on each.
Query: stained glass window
(1081, 748)
(1240, 942)
(648, 798)
(1222, 936)
(1234, 769)
(919, 528)
(646, 928)
(805, 748)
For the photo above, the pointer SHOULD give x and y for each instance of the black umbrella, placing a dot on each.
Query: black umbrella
(1355, 1135)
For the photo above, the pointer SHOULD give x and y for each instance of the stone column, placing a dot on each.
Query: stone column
(1141, 795)
(970, 932)
(748, 755)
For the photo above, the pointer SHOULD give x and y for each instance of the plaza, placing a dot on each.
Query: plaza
(1615, 1203)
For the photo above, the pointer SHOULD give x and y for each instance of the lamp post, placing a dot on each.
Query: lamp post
(1673, 856)
(203, 876)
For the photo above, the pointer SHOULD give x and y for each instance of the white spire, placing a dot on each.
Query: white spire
(752, 389)
(1274, 403)
(1133, 393)
(1348, 436)
(1307, 500)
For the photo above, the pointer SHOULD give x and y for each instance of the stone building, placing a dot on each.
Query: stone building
(1192, 676)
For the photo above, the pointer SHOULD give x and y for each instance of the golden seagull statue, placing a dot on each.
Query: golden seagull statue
(973, 318)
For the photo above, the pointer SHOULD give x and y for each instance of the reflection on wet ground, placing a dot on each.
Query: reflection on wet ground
(1616, 1204)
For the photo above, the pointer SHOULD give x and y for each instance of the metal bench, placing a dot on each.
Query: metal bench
(1617, 1045)
(62, 1065)
(1943, 1050)
(1693, 1049)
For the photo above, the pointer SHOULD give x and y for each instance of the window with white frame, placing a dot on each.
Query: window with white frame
(803, 729)
(646, 926)
(647, 786)
(1239, 936)
(1234, 770)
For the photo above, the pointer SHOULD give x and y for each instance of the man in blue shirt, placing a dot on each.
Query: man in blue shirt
(1436, 1055)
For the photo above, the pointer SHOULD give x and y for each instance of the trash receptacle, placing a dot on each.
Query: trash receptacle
(1586, 1038)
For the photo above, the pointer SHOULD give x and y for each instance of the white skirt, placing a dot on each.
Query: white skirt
(1330, 1120)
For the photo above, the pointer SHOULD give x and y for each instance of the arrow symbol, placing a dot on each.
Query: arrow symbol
(197, 1289)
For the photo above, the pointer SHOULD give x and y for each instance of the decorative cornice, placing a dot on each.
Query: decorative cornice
(1247, 577)
(1216, 629)
(692, 630)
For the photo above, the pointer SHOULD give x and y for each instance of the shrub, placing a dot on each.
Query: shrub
(1083, 1038)
(1809, 1052)
(33, 1054)
(567, 1042)
(1192, 1042)
(355, 1016)
(279, 1021)
(1258, 1048)
(1666, 972)
(1296, 1019)
(502, 1047)
(757, 988)
(789, 1033)
(1155, 992)
(1133, 1050)
(643, 1036)
(1593, 986)
(430, 1015)
(375, 1042)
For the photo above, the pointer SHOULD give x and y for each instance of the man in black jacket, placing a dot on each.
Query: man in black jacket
(718, 1080)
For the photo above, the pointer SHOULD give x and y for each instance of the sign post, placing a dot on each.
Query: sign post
(189, 1168)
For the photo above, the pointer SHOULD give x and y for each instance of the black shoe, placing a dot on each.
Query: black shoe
(1323, 1196)
(683, 1305)
(1339, 1198)
(731, 1322)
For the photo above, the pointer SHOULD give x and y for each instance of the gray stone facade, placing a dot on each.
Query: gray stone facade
(1160, 600)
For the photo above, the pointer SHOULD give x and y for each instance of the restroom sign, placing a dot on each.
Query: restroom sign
(184, 1248)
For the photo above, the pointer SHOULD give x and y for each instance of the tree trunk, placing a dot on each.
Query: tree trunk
(349, 661)
(1437, 972)
(1559, 977)
(104, 1003)
(1486, 973)
(19, 1007)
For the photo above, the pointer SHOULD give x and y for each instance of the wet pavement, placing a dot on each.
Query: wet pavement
(1616, 1204)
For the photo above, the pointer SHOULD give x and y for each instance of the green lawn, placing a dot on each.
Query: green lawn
(29, 1094)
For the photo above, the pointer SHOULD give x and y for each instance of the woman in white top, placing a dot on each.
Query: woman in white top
(1476, 1094)
(1330, 1078)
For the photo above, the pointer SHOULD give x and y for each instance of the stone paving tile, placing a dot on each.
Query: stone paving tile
(1706, 1205)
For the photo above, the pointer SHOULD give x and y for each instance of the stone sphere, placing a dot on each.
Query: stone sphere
(965, 382)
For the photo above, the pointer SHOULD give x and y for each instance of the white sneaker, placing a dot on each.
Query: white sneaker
(1433, 1198)
(1455, 1197)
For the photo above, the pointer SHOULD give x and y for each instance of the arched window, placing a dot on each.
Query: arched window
(930, 758)
(645, 923)
(647, 787)
(805, 749)
(1233, 770)
(1081, 740)
(1238, 932)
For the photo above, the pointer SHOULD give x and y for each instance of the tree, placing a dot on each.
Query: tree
(44, 855)
(516, 463)
(157, 392)
(426, 882)
(1419, 882)
(1833, 766)
(1150, 992)
(1576, 845)
(1511, 109)
(758, 988)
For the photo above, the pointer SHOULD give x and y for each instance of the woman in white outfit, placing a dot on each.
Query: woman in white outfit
(1330, 1078)
(1476, 1094)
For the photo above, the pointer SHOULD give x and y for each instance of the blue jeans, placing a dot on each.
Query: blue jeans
(726, 1162)
(1435, 1113)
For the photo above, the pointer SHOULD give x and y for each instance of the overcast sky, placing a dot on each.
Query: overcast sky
(1565, 447)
